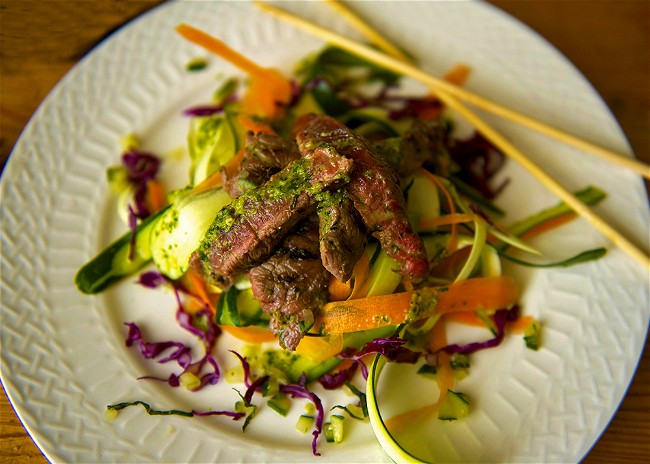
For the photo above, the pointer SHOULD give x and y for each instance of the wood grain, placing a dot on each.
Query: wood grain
(608, 41)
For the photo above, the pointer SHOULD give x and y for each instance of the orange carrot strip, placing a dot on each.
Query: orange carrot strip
(407, 284)
(437, 338)
(268, 91)
(219, 48)
(214, 180)
(444, 376)
(486, 293)
(481, 293)
(519, 326)
(253, 125)
(445, 379)
(445, 220)
(360, 276)
(338, 290)
(318, 349)
(548, 225)
(231, 167)
(193, 305)
(195, 284)
(266, 97)
(401, 421)
(249, 334)
(353, 315)
(155, 195)
(458, 75)
(466, 318)
(452, 206)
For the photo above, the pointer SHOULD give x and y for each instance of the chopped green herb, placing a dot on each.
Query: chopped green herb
(196, 64)
(532, 335)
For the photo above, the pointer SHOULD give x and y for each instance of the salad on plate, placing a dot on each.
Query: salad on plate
(334, 221)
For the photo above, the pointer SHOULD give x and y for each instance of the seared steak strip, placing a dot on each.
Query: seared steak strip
(292, 284)
(343, 236)
(373, 188)
(245, 233)
(264, 155)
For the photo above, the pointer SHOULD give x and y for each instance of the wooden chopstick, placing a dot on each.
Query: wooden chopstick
(477, 100)
(370, 34)
(450, 99)
(490, 106)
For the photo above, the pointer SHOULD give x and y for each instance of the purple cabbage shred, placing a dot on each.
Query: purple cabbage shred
(181, 354)
(152, 279)
(246, 366)
(142, 167)
(501, 317)
(301, 391)
(338, 379)
(479, 161)
(203, 110)
(392, 348)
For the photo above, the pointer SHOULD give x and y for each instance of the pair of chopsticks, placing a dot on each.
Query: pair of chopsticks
(393, 59)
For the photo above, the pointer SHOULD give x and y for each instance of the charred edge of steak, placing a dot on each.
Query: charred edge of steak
(343, 236)
(373, 188)
(292, 284)
(246, 232)
(264, 155)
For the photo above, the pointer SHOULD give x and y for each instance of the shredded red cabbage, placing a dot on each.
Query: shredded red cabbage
(254, 387)
(251, 388)
(182, 354)
(142, 167)
(203, 110)
(151, 350)
(391, 348)
(416, 108)
(301, 391)
(296, 92)
(501, 317)
(246, 366)
(479, 161)
(338, 379)
(151, 279)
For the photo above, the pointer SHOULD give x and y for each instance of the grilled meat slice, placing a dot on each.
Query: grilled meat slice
(343, 236)
(264, 155)
(292, 284)
(246, 232)
(373, 189)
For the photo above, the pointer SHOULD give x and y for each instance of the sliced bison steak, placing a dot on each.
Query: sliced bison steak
(292, 284)
(373, 189)
(343, 236)
(264, 155)
(246, 232)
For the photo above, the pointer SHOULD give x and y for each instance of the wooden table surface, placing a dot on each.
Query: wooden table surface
(607, 40)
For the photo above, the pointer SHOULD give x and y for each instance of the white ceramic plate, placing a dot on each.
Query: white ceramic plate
(63, 356)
